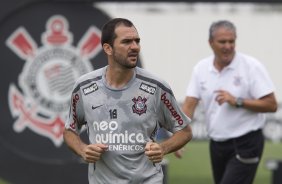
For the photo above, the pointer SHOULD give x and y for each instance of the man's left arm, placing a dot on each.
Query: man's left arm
(156, 151)
(177, 140)
(266, 103)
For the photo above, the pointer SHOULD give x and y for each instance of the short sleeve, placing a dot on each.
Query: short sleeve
(261, 83)
(170, 114)
(192, 89)
(76, 113)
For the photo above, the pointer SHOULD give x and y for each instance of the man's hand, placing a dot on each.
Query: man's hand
(92, 153)
(154, 152)
(224, 96)
(179, 153)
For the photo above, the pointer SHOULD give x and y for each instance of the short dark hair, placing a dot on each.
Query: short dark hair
(108, 30)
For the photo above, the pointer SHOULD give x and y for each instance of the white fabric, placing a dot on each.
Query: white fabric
(245, 77)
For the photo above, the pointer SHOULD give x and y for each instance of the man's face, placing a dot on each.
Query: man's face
(223, 45)
(126, 46)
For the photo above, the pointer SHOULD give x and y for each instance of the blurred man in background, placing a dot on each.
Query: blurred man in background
(236, 91)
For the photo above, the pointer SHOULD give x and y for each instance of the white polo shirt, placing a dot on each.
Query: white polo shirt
(245, 77)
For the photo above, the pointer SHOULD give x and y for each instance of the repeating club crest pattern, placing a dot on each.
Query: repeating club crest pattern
(41, 104)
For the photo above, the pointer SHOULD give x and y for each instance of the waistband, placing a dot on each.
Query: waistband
(243, 137)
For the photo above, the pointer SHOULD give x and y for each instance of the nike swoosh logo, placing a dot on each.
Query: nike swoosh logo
(95, 107)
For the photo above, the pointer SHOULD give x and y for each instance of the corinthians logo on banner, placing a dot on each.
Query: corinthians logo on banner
(49, 73)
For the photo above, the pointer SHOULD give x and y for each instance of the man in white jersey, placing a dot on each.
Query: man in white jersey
(235, 91)
(122, 107)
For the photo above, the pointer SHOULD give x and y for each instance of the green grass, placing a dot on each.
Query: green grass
(194, 167)
(3, 182)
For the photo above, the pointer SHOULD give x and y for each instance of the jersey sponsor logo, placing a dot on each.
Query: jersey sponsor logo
(75, 99)
(90, 89)
(237, 81)
(147, 88)
(139, 107)
(95, 107)
(172, 110)
(203, 85)
(48, 75)
(108, 133)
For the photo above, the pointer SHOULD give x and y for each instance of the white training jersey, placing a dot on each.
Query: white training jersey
(125, 120)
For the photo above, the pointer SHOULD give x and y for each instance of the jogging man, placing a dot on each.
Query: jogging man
(122, 107)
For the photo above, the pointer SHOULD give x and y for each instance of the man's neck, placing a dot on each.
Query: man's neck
(118, 78)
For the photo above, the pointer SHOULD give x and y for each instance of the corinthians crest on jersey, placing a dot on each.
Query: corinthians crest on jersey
(49, 73)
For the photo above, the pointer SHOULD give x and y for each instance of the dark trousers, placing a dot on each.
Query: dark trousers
(235, 161)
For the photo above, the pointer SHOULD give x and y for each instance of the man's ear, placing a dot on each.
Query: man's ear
(107, 49)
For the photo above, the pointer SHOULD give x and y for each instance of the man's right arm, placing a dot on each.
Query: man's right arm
(74, 142)
(189, 106)
(89, 153)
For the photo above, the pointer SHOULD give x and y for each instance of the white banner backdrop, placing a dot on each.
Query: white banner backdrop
(174, 37)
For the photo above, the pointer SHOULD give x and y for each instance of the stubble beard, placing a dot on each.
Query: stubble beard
(124, 61)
